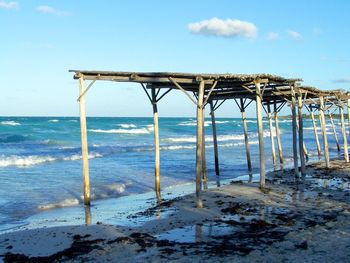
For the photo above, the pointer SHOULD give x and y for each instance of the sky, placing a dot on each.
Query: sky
(42, 39)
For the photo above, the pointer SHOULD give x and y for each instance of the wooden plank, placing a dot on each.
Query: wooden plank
(334, 131)
(301, 136)
(183, 90)
(323, 129)
(200, 123)
(345, 141)
(157, 148)
(261, 135)
(280, 153)
(245, 129)
(316, 134)
(84, 145)
(216, 154)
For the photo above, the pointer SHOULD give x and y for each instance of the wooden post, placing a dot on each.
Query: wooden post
(84, 146)
(349, 117)
(245, 129)
(334, 131)
(216, 155)
(301, 136)
(199, 151)
(323, 128)
(280, 153)
(156, 142)
(269, 115)
(315, 131)
(304, 147)
(346, 154)
(294, 124)
(261, 134)
(204, 169)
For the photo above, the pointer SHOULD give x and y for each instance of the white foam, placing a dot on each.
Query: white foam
(11, 123)
(194, 123)
(67, 202)
(124, 131)
(126, 126)
(53, 120)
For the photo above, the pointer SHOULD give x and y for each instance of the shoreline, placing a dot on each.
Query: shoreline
(296, 220)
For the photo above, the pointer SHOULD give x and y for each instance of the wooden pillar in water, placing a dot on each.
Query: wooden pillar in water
(258, 98)
(280, 153)
(245, 129)
(346, 154)
(204, 168)
(216, 155)
(349, 117)
(315, 131)
(157, 148)
(334, 131)
(269, 115)
(199, 151)
(301, 136)
(294, 124)
(303, 144)
(84, 146)
(323, 128)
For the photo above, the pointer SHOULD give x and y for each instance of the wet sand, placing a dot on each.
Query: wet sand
(292, 220)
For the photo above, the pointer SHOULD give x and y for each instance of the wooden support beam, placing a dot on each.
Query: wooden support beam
(294, 124)
(84, 145)
(245, 129)
(301, 136)
(204, 165)
(334, 131)
(200, 123)
(323, 129)
(157, 148)
(315, 131)
(269, 116)
(261, 134)
(280, 153)
(306, 154)
(346, 154)
(216, 155)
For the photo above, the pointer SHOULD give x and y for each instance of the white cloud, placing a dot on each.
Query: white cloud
(227, 28)
(294, 34)
(316, 31)
(341, 80)
(8, 5)
(49, 9)
(272, 36)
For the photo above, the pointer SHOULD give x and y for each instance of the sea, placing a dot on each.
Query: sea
(41, 165)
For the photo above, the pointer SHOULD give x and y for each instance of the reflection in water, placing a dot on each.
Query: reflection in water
(158, 214)
(250, 178)
(87, 215)
(218, 181)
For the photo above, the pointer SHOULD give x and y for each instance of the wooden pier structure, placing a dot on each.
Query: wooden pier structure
(270, 93)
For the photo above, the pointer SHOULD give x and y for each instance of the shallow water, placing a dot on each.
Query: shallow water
(40, 163)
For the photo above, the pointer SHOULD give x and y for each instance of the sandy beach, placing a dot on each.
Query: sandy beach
(292, 220)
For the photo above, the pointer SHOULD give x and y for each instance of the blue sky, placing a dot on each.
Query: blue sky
(42, 39)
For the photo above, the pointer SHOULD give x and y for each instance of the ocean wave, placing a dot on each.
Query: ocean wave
(12, 138)
(53, 120)
(66, 202)
(126, 126)
(11, 123)
(208, 138)
(194, 123)
(25, 161)
(124, 131)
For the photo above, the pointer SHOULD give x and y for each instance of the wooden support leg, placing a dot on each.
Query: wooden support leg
(216, 156)
(295, 150)
(200, 119)
(324, 134)
(204, 166)
(280, 153)
(249, 162)
(334, 131)
(261, 135)
(303, 144)
(157, 148)
(346, 154)
(269, 115)
(84, 146)
(316, 134)
(301, 137)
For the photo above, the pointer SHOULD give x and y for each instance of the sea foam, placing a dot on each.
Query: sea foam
(11, 123)
(123, 131)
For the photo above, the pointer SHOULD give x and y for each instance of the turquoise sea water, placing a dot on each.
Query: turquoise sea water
(40, 158)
